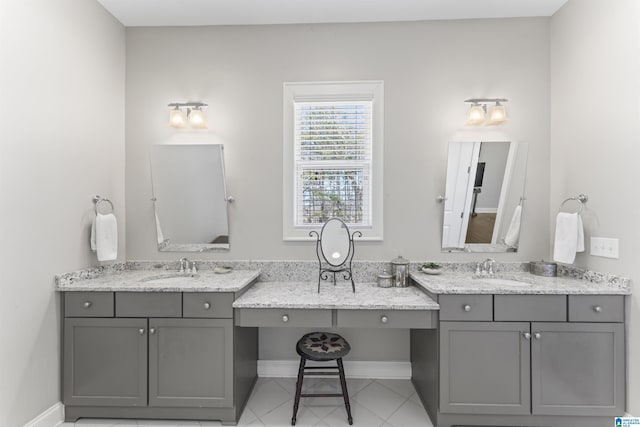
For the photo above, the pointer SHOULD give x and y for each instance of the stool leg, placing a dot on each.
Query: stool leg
(345, 393)
(298, 390)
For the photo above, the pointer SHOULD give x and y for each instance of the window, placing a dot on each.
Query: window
(332, 157)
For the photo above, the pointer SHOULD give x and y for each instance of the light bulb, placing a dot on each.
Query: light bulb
(475, 115)
(177, 118)
(196, 118)
(497, 115)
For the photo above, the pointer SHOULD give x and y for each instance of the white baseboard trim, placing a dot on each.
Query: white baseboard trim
(51, 417)
(353, 369)
(486, 210)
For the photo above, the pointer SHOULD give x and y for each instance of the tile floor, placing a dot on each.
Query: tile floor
(374, 403)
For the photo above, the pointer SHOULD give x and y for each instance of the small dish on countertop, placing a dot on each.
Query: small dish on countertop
(431, 268)
(220, 269)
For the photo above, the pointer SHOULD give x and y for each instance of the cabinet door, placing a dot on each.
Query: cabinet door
(191, 362)
(105, 362)
(484, 368)
(577, 369)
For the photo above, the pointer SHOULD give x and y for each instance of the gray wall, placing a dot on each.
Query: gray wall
(62, 123)
(428, 69)
(595, 51)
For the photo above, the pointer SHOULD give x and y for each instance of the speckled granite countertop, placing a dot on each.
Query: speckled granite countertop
(305, 295)
(464, 283)
(165, 281)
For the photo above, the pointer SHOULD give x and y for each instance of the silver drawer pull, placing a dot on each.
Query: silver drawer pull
(597, 308)
(207, 306)
(537, 335)
(152, 330)
(285, 318)
(466, 307)
(384, 319)
(527, 336)
(141, 331)
(87, 304)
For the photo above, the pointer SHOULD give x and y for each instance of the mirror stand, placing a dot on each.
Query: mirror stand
(326, 268)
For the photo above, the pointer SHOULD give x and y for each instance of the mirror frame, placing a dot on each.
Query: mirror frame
(324, 271)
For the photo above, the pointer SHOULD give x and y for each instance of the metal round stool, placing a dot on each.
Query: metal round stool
(322, 347)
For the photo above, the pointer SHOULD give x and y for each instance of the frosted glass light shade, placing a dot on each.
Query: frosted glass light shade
(196, 119)
(475, 115)
(177, 118)
(497, 115)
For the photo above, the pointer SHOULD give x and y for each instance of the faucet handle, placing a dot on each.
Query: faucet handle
(184, 265)
(489, 266)
(194, 270)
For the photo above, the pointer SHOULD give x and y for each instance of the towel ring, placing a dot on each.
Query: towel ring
(98, 199)
(580, 198)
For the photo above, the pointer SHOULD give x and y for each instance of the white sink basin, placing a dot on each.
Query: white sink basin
(169, 278)
(502, 282)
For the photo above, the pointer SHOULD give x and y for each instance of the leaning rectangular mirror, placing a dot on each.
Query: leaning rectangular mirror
(190, 197)
(484, 196)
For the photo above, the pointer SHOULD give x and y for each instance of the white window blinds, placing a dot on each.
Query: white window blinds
(333, 162)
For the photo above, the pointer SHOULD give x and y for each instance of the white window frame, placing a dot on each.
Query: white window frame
(332, 91)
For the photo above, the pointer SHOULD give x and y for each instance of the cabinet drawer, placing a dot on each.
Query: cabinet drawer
(466, 307)
(283, 317)
(412, 319)
(207, 304)
(148, 304)
(596, 308)
(88, 304)
(530, 308)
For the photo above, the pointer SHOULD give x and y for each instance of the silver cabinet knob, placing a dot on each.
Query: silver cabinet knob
(152, 330)
(285, 318)
(141, 331)
(466, 307)
(597, 308)
(384, 319)
(537, 335)
(207, 306)
(527, 336)
(87, 304)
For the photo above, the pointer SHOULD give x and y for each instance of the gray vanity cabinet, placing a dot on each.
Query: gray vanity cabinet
(523, 360)
(156, 355)
(189, 362)
(105, 362)
(484, 368)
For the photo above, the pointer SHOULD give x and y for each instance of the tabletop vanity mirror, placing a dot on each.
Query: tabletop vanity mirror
(335, 250)
(189, 197)
(484, 197)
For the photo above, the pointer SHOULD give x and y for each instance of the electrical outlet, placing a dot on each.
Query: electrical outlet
(604, 247)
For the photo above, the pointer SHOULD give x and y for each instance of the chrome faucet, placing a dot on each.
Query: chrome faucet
(485, 268)
(184, 265)
(489, 266)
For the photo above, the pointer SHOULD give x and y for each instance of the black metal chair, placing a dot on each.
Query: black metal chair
(322, 347)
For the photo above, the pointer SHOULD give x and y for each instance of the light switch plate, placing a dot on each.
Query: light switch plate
(605, 247)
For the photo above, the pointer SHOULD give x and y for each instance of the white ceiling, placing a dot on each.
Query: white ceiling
(135, 13)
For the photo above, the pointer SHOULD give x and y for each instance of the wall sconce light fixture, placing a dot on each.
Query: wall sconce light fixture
(476, 114)
(194, 116)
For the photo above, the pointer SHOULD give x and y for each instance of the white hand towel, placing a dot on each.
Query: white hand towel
(94, 247)
(106, 237)
(580, 244)
(159, 234)
(569, 237)
(513, 233)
